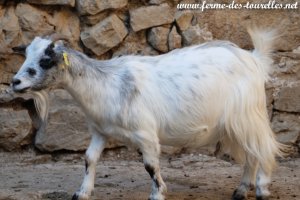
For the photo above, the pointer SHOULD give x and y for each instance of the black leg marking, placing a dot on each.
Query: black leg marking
(151, 172)
(86, 166)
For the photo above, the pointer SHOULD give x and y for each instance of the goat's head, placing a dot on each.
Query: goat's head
(42, 67)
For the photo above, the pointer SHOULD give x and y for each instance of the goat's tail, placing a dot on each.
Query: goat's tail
(248, 135)
(247, 127)
(263, 41)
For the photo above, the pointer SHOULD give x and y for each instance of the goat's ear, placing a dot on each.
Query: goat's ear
(61, 43)
(20, 49)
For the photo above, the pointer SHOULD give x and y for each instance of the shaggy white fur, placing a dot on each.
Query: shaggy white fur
(195, 96)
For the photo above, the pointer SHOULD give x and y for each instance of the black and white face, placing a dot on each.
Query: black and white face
(40, 69)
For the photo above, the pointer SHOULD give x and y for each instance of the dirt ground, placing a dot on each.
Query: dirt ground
(121, 176)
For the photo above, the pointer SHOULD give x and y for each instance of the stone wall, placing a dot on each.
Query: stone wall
(107, 28)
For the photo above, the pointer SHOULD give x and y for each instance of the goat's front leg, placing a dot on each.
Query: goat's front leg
(150, 149)
(158, 185)
(92, 156)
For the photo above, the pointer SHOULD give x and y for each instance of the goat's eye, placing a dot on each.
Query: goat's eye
(46, 63)
(31, 71)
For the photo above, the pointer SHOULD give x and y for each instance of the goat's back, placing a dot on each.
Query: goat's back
(189, 92)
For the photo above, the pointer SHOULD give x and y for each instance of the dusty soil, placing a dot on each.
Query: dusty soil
(121, 176)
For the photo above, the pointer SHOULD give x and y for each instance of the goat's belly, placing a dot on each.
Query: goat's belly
(192, 138)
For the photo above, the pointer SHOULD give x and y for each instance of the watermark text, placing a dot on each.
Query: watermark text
(271, 5)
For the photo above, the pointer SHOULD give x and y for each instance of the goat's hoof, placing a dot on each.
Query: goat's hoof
(262, 197)
(79, 196)
(157, 196)
(237, 195)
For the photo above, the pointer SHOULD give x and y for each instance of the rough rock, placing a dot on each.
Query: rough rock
(158, 38)
(68, 24)
(196, 35)
(9, 65)
(53, 2)
(287, 66)
(174, 39)
(19, 114)
(148, 16)
(10, 99)
(15, 129)
(156, 2)
(66, 128)
(104, 35)
(232, 25)
(286, 126)
(94, 19)
(183, 19)
(270, 98)
(33, 21)
(288, 98)
(93, 7)
(10, 33)
(135, 43)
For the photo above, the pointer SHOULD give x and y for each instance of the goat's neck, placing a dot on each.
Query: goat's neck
(84, 89)
(86, 80)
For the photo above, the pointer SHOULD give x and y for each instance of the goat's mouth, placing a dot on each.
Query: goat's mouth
(22, 90)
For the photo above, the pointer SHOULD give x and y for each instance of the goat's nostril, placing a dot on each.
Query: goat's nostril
(16, 81)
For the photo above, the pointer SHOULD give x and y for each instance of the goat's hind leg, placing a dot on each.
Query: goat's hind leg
(92, 155)
(263, 180)
(248, 179)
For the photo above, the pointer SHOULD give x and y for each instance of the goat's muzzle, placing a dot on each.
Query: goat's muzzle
(17, 82)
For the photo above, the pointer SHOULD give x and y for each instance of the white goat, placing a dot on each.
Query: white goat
(195, 96)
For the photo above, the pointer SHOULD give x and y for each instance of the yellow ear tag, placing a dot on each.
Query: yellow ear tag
(65, 55)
